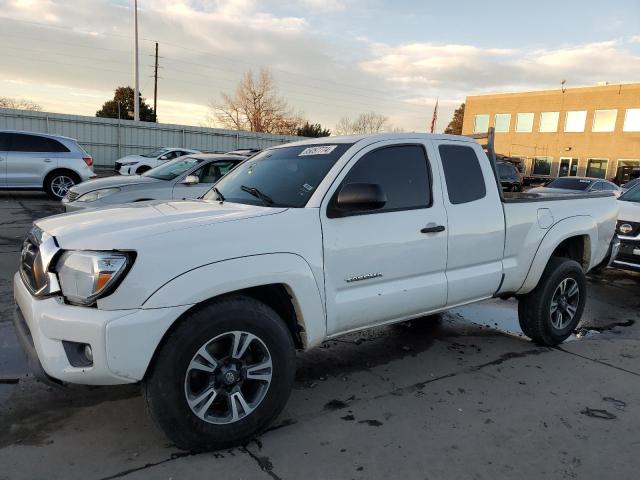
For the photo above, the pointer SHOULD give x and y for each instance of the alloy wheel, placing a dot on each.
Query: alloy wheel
(564, 303)
(228, 377)
(61, 184)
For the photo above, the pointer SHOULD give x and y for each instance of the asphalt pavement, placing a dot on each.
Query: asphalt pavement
(461, 395)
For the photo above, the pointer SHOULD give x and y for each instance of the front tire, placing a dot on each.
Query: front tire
(222, 376)
(142, 169)
(550, 312)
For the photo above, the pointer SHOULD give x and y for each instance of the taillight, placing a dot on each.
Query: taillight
(88, 161)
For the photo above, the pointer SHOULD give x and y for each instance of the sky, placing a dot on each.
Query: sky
(330, 58)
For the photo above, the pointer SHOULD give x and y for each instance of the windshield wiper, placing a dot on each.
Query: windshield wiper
(266, 199)
(219, 194)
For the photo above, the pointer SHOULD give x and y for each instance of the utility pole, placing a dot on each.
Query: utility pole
(155, 87)
(136, 94)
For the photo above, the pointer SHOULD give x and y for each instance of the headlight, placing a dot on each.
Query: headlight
(127, 164)
(85, 276)
(97, 194)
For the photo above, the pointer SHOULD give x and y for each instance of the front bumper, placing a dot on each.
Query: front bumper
(628, 257)
(122, 341)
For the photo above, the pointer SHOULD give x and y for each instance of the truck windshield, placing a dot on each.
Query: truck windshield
(172, 169)
(569, 183)
(280, 177)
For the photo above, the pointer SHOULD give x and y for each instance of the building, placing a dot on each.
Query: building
(585, 131)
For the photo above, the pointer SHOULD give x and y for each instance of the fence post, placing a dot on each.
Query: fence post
(47, 119)
(184, 143)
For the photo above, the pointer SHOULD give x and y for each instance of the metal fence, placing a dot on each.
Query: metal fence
(108, 139)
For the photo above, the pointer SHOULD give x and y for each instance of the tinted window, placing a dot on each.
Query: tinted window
(401, 171)
(462, 172)
(4, 142)
(282, 176)
(569, 183)
(29, 143)
(56, 146)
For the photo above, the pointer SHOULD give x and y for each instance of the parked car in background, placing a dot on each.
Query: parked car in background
(630, 184)
(189, 176)
(39, 161)
(628, 229)
(206, 301)
(510, 178)
(138, 164)
(246, 151)
(578, 185)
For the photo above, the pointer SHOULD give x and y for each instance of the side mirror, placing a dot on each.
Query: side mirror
(163, 157)
(358, 197)
(191, 180)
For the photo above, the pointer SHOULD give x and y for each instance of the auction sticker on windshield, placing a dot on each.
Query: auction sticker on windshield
(322, 150)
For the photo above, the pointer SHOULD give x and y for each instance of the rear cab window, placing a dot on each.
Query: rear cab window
(463, 174)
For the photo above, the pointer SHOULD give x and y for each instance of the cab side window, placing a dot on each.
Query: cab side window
(29, 143)
(462, 173)
(403, 173)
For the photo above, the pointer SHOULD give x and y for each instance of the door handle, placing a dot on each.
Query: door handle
(432, 229)
(47, 160)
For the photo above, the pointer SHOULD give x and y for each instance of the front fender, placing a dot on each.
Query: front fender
(212, 280)
(577, 226)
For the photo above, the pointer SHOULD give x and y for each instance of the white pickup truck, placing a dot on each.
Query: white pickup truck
(206, 301)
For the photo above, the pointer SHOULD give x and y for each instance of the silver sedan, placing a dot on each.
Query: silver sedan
(189, 176)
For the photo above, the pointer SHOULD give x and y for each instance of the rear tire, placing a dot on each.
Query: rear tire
(57, 183)
(198, 407)
(550, 312)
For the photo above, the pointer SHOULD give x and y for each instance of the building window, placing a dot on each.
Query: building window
(632, 120)
(502, 122)
(597, 168)
(575, 121)
(549, 121)
(604, 120)
(524, 122)
(542, 166)
(481, 123)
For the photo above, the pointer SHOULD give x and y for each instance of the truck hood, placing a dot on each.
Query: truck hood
(111, 182)
(629, 211)
(113, 227)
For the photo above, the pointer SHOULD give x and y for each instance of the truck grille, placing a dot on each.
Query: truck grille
(31, 269)
(71, 195)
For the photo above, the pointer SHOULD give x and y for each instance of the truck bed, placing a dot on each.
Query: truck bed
(520, 197)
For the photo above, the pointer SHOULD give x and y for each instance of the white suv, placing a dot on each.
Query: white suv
(38, 161)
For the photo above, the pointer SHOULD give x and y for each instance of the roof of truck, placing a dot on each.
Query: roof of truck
(377, 137)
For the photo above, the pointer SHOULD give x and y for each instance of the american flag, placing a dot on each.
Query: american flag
(435, 117)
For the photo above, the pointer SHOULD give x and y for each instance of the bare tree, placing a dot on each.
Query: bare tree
(255, 106)
(370, 122)
(19, 104)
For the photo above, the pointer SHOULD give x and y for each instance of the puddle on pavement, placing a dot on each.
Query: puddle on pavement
(501, 315)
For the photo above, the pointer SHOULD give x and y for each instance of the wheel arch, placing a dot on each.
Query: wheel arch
(574, 238)
(58, 170)
(282, 281)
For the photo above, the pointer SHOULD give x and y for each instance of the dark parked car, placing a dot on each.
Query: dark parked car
(510, 178)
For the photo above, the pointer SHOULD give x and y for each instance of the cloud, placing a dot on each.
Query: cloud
(469, 68)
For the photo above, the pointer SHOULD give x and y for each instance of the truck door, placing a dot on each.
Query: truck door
(475, 222)
(386, 264)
